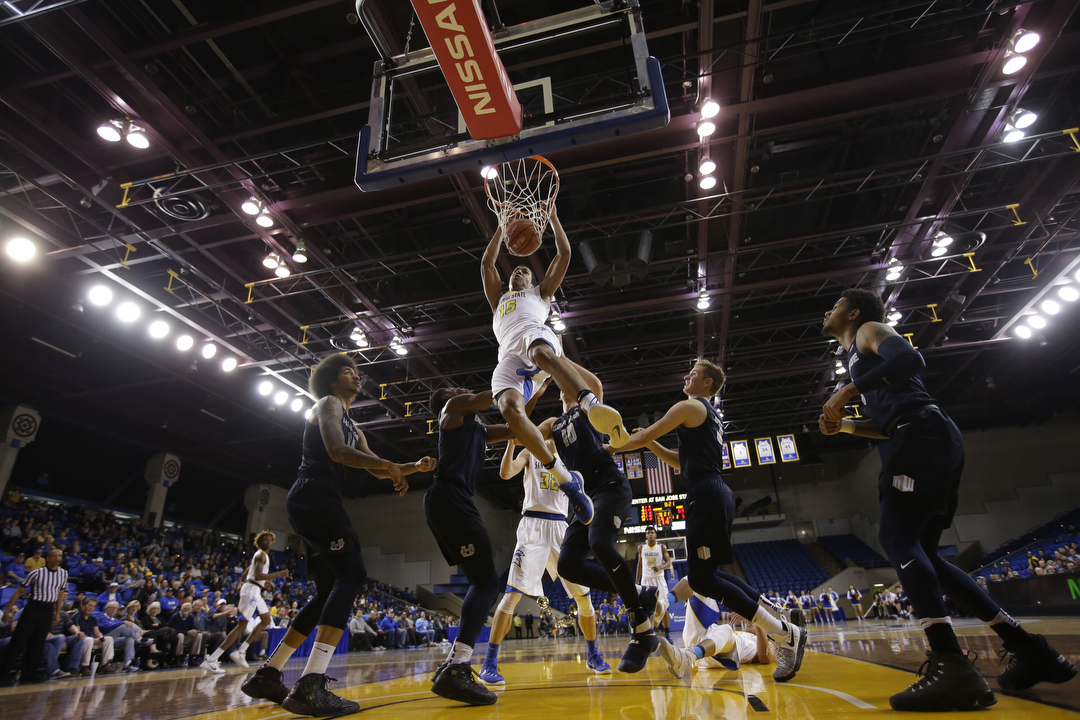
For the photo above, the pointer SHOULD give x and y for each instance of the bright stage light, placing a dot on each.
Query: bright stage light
(184, 343)
(128, 312)
(159, 329)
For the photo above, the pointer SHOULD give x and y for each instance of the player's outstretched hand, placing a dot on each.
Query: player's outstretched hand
(397, 477)
(427, 464)
(834, 407)
(828, 427)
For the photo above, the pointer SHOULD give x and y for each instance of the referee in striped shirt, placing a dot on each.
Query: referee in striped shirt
(45, 590)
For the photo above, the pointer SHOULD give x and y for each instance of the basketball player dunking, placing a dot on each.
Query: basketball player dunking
(922, 458)
(710, 513)
(653, 560)
(529, 351)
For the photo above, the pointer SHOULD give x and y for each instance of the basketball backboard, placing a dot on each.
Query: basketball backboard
(581, 77)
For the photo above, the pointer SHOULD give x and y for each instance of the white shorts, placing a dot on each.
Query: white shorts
(514, 370)
(252, 604)
(745, 647)
(657, 581)
(538, 544)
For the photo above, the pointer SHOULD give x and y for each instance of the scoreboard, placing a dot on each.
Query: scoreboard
(660, 511)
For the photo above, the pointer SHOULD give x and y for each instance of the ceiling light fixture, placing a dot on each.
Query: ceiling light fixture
(159, 329)
(117, 130)
(398, 346)
(939, 251)
(111, 131)
(281, 397)
(20, 249)
(271, 261)
(1013, 63)
(128, 312)
(1023, 41)
(1022, 331)
(266, 387)
(1051, 307)
(184, 343)
(707, 183)
(705, 128)
(209, 350)
(710, 108)
(707, 166)
(703, 301)
(942, 239)
(253, 206)
(896, 315)
(300, 256)
(1069, 293)
(282, 271)
(297, 405)
(359, 338)
(840, 369)
(228, 364)
(488, 172)
(557, 322)
(1012, 134)
(100, 295)
(1036, 321)
(264, 220)
(1020, 118)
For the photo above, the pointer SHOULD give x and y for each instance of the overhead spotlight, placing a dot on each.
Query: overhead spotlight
(896, 315)
(1023, 41)
(137, 138)
(894, 273)
(710, 109)
(281, 397)
(271, 261)
(128, 312)
(300, 256)
(266, 387)
(1069, 293)
(557, 322)
(488, 172)
(1020, 118)
(209, 350)
(939, 251)
(282, 271)
(1013, 64)
(707, 183)
(705, 128)
(1012, 134)
(942, 239)
(1051, 307)
(1022, 331)
(20, 249)
(253, 206)
(111, 131)
(1036, 321)
(184, 343)
(159, 329)
(398, 346)
(100, 295)
(840, 369)
(264, 219)
(703, 300)
(359, 338)
(706, 167)
(297, 405)
(228, 364)
(892, 323)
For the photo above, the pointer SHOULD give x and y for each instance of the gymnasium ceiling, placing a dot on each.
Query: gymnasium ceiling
(850, 134)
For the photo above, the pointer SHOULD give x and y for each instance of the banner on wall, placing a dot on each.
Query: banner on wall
(788, 451)
(633, 466)
(765, 455)
(619, 463)
(740, 453)
(727, 458)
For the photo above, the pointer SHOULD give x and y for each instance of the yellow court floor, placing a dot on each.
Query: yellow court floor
(850, 671)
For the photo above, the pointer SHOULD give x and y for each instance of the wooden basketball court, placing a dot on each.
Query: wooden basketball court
(850, 671)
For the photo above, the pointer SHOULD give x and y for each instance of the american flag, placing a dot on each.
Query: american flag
(657, 474)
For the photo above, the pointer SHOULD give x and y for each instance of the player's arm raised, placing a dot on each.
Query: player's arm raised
(510, 465)
(902, 362)
(686, 412)
(424, 464)
(489, 273)
(468, 403)
(557, 269)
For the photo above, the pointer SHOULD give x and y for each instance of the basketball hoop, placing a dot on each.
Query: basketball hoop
(524, 188)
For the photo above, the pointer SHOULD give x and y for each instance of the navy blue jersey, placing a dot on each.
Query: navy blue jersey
(884, 405)
(582, 449)
(701, 449)
(461, 453)
(315, 460)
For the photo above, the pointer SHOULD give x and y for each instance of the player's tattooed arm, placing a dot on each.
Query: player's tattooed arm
(863, 427)
(557, 269)
(871, 335)
(510, 465)
(489, 272)
(330, 412)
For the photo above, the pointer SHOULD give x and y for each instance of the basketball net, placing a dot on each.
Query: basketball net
(524, 188)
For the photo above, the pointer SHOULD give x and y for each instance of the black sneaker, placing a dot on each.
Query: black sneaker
(439, 670)
(648, 598)
(1034, 662)
(310, 696)
(641, 646)
(458, 682)
(265, 684)
(950, 682)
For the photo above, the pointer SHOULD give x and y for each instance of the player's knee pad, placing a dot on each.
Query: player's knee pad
(509, 602)
(584, 606)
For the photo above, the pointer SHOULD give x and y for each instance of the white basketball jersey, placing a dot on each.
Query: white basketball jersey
(542, 492)
(260, 563)
(517, 312)
(651, 559)
(703, 613)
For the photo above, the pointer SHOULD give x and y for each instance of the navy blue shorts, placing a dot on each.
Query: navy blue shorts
(317, 516)
(612, 505)
(710, 514)
(924, 460)
(458, 529)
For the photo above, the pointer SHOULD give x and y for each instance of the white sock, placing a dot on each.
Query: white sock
(588, 401)
(561, 472)
(460, 654)
(765, 620)
(243, 648)
(281, 655)
(319, 659)
(216, 654)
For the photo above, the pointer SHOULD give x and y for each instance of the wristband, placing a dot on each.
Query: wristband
(847, 425)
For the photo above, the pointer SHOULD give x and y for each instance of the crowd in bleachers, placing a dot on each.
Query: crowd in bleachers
(141, 598)
(1050, 549)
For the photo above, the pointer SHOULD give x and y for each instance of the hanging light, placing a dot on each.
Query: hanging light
(100, 295)
(281, 397)
(228, 364)
(707, 183)
(307, 414)
(705, 128)
(707, 166)
(266, 387)
(1012, 134)
(1022, 331)
(300, 256)
(488, 172)
(271, 261)
(942, 239)
(710, 108)
(209, 350)
(1020, 118)
(159, 329)
(111, 131)
(939, 251)
(1036, 321)
(892, 323)
(1069, 293)
(703, 300)
(253, 206)
(137, 138)
(557, 322)
(184, 343)
(359, 338)
(1050, 307)
(840, 369)
(1013, 63)
(117, 130)
(896, 315)
(20, 249)
(128, 312)
(282, 271)
(398, 346)
(264, 220)
(297, 405)
(1023, 41)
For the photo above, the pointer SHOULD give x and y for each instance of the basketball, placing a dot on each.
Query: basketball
(521, 237)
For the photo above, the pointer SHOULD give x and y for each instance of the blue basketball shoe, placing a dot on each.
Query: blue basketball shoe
(579, 501)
